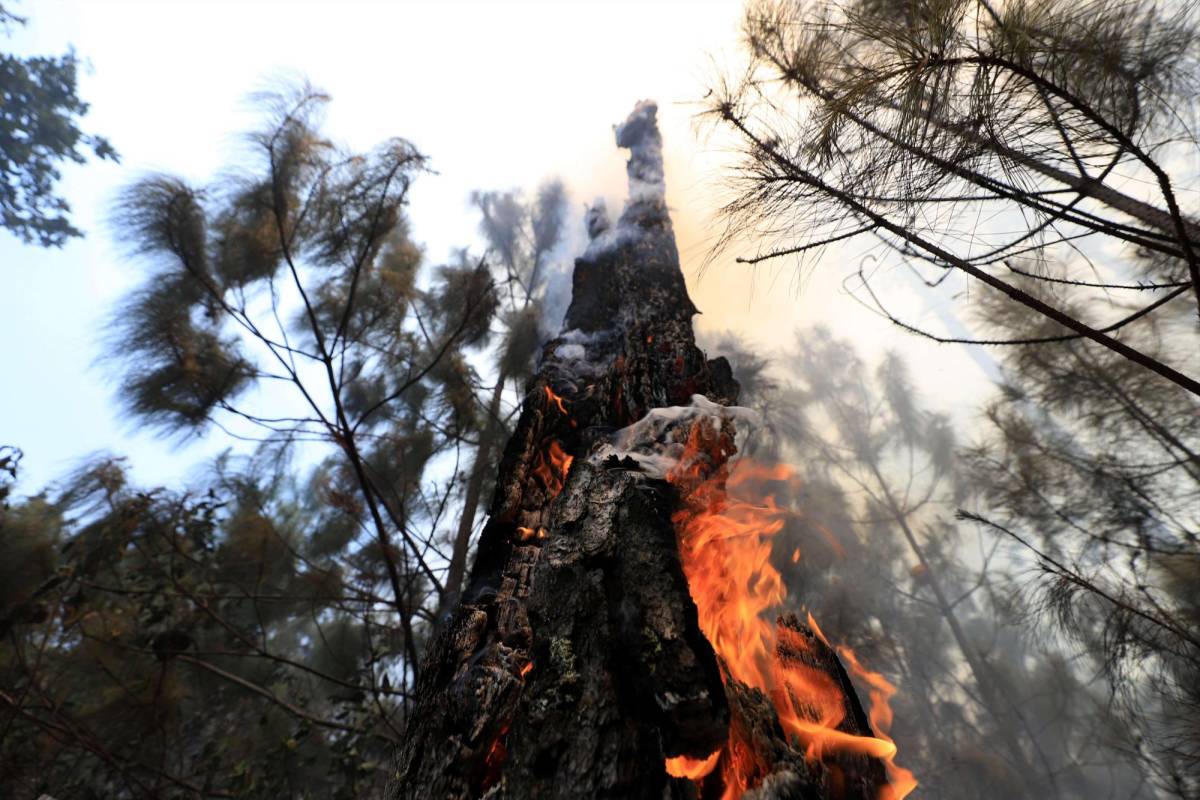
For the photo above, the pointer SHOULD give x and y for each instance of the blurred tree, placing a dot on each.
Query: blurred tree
(966, 135)
(196, 644)
(39, 129)
(1093, 467)
(520, 238)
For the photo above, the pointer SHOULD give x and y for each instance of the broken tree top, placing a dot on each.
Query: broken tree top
(642, 240)
(575, 665)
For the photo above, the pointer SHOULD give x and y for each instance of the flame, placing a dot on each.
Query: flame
(528, 668)
(496, 754)
(725, 529)
(692, 768)
(553, 466)
(554, 399)
(494, 760)
(901, 781)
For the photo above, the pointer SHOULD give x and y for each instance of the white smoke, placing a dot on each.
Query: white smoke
(559, 269)
(639, 133)
(657, 441)
(647, 193)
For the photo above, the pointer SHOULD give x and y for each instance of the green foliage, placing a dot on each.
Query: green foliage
(322, 225)
(40, 112)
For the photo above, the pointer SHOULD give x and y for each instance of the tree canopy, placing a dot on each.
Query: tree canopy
(981, 143)
(257, 631)
(40, 112)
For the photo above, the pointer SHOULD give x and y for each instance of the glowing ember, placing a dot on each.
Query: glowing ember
(527, 534)
(494, 760)
(555, 400)
(725, 531)
(692, 768)
(528, 668)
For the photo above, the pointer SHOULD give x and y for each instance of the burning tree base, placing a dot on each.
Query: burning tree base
(578, 663)
(762, 761)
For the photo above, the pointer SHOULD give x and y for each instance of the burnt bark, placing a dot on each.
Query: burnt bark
(574, 663)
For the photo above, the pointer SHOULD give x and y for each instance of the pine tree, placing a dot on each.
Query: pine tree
(1090, 469)
(254, 633)
(968, 138)
(39, 130)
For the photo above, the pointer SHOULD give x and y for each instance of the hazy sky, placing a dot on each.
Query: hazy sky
(499, 94)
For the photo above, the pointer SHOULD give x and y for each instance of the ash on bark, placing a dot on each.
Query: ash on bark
(574, 663)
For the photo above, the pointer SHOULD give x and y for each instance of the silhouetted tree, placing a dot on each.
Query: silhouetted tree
(968, 137)
(253, 634)
(40, 112)
(301, 275)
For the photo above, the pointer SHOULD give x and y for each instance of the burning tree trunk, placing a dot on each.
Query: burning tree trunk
(577, 664)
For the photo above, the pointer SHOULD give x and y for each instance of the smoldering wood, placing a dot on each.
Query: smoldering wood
(574, 663)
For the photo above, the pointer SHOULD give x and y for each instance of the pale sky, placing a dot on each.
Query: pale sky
(500, 95)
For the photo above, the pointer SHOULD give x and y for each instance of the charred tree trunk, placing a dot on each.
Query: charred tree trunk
(574, 664)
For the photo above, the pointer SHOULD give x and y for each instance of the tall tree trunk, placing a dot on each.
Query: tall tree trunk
(993, 697)
(488, 437)
(574, 663)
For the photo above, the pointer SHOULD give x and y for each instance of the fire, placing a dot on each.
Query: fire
(554, 399)
(553, 465)
(493, 761)
(901, 781)
(725, 530)
(528, 534)
(692, 768)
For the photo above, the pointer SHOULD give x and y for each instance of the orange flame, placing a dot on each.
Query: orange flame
(553, 466)
(692, 768)
(901, 781)
(725, 531)
(554, 399)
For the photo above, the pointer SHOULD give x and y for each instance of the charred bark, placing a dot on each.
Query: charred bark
(574, 664)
